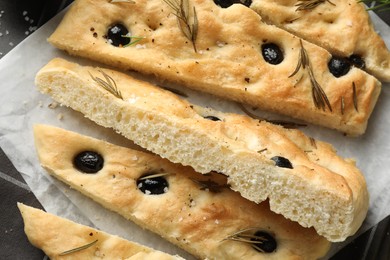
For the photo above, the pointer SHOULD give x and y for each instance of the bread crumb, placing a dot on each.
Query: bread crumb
(60, 116)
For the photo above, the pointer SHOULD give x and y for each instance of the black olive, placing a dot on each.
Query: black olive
(227, 3)
(282, 162)
(88, 162)
(272, 53)
(339, 66)
(357, 61)
(153, 185)
(116, 33)
(212, 118)
(266, 242)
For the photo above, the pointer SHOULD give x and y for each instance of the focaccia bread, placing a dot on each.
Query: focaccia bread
(58, 236)
(196, 212)
(342, 27)
(304, 179)
(234, 55)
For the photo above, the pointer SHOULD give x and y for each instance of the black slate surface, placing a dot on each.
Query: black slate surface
(18, 19)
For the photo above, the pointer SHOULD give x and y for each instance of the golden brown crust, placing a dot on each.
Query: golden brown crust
(196, 220)
(228, 62)
(342, 27)
(322, 190)
(55, 235)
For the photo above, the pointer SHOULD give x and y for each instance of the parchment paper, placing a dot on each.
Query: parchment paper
(22, 106)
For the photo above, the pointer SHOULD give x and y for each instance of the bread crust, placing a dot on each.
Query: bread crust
(344, 28)
(196, 220)
(55, 235)
(322, 190)
(228, 62)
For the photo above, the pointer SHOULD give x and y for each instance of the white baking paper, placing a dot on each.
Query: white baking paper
(22, 106)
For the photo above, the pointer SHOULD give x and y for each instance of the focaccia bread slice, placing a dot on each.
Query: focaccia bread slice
(234, 55)
(60, 238)
(342, 27)
(304, 179)
(191, 210)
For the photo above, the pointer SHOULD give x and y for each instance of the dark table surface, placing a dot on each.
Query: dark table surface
(20, 18)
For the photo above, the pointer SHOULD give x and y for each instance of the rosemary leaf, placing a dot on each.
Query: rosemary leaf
(108, 83)
(136, 39)
(378, 5)
(354, 96)
(182, 12)
(153, 176)
(78, 248)
(303, 5)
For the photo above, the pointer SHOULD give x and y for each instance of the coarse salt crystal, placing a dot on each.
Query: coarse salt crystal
(217, 221)
(134, 158)
(24, 13)
(26, 18)
(11, 44)
(180, 219)
(140, 46)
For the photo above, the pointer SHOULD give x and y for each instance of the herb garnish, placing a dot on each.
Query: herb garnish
(136, 38)
(182, 12)
(381, 5)
(108, 84)
(354, 96)
(210, 185)
(285, 124)
(247, 236)
(310, 4)
(319, 96)
(153, 176)
(78, 248)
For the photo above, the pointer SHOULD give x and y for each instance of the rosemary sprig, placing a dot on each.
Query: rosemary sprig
(136, 39)
(319, 96)
(381, 5)
(285, 124)
(247, 236)
(303, 5)
(153, 176)
(78, 248)
(182, 12)
(210, 185)
(108, 83)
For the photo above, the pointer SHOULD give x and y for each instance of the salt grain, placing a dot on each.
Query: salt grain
(24, 13)
(217, 221)
(26, 18)
(11, 44)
